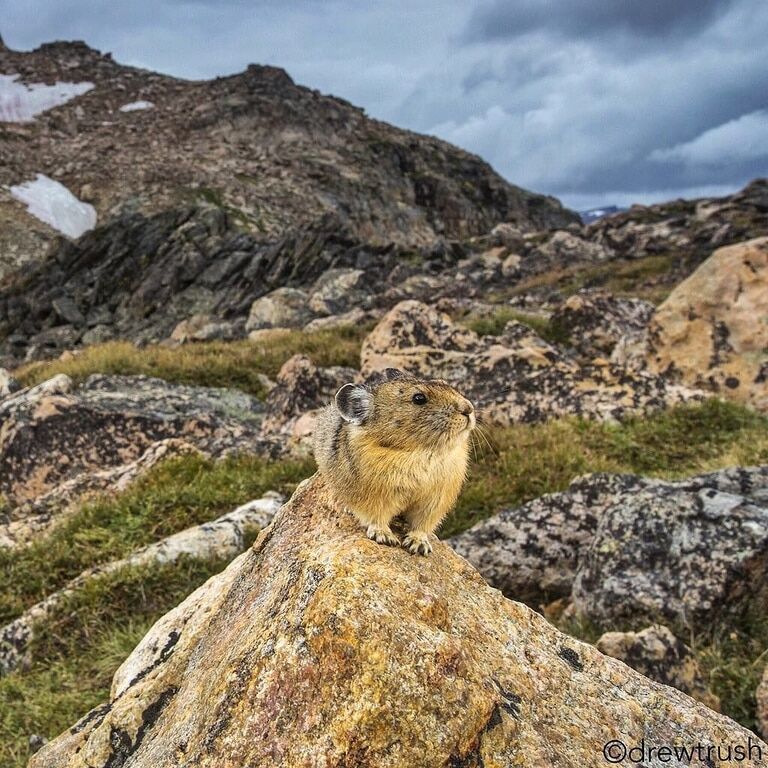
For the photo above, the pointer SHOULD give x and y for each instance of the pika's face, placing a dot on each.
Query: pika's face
(402, 411)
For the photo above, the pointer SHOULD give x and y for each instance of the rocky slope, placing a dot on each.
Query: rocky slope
(319, 646)
(274, 154)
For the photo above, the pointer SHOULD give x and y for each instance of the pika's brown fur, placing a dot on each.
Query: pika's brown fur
(397, 445)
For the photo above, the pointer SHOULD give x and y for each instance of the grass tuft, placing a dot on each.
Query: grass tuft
(178, 493)
(213, 364)
(494, 324)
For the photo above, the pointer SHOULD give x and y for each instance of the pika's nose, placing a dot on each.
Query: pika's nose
(466, 408)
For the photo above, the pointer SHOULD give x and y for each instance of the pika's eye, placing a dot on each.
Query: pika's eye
(419, 398)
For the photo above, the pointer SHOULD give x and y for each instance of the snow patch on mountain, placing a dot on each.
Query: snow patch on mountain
(54, 204)
(19, 103)
(136, 105)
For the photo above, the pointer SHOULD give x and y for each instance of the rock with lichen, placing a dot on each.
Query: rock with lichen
(514, 377)
(712, 331)
(657, 653)
(59, 440)
(627, 548)
(320, 647)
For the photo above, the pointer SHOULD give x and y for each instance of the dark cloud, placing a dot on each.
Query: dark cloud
(589, 19)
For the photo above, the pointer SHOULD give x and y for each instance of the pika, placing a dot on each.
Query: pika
(396, 445)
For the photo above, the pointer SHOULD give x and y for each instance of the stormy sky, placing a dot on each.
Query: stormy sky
(594, 101)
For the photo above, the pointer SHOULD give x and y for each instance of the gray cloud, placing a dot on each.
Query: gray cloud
(595, 101)
(593, 18)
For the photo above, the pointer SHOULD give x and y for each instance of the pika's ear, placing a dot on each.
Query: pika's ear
(390, 374)
(354, 403)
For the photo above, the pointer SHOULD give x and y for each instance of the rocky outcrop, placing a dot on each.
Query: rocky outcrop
(515, 377)
(594, 321)
(275, 154)
(687, 229)
(656, 653)
(319, 646)
(219, 539)
(57, 440)
(627, 548)
(712, 331)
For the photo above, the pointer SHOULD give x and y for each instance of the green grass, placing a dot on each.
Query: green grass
(214, 364)
(75, 656)
(174, 495)
(493, 324)
(650, 278)
(519, 463)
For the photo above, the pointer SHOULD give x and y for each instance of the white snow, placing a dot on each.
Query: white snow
(136, 105)
(20, 103)
(53, 203)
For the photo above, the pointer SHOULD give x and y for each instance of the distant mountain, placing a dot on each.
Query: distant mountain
(273, 154)
(593, 214)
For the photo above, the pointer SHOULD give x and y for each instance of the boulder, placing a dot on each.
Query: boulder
(563, 248)
(629, 548)
(515, 377)
(34, 516)
(712, 331)
(686, 551)
(219, 539)
(281, 308)
(531, 553)
(55, 436)
(354, 317)
(507, 235)
(656, 653)
(205, 328)
(302, 388)
(320, 647)
(337, 291)
(595, 321)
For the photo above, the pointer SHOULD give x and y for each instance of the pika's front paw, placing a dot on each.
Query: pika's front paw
(382, 535)
(417, 543)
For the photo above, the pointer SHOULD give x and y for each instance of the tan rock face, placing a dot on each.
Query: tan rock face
(713, 329)
(513, 377)
(321, 648)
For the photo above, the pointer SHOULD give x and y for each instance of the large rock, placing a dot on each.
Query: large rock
(712, 331)
(320, 647)
(656, 653)
(301, 389)
(337, 291)
(595, 321)
(33, 517)
(282, 308)
(516, 377)
(627, 548)
(55, 438)
(531, 553)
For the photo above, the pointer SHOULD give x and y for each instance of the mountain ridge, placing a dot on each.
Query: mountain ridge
(275, 154)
